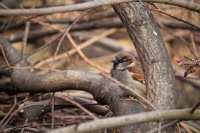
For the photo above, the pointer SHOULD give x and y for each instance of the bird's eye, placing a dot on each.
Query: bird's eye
(122, 60)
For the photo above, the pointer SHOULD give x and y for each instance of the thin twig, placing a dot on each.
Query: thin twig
(184, 126)
(5, 57)
(178, 114)
(194, 46)
(52, 110)
(176, 18)
(93, 4)
(83, 55)
(77, 105)
(195, 107)
(164, 126)
(27, 29)
(81, 46)
(9, 115)
(66, 31)
(104, 73)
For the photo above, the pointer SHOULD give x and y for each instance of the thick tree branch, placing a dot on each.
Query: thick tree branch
(27, 79)
(92, 4)
(144, 32)
(183, 114)
(147, 39)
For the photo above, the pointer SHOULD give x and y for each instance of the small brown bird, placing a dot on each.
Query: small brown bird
(128, 61)
(127, 70)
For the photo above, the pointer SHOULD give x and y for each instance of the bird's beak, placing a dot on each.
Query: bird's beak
(125, 66)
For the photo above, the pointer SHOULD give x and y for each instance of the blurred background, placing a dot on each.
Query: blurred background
(100, 35)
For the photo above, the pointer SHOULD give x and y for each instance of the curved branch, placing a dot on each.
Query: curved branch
(143, 31)
(27, 79)
(181, 114)
(159, 75)
(92, 4)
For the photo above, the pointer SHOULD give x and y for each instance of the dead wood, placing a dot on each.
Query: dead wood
(144, 32)
(26, 79)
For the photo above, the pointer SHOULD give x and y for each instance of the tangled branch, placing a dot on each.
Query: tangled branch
(93, 4)
(181, 114)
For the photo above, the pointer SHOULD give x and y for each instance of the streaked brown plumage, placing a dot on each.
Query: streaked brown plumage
(128, 61)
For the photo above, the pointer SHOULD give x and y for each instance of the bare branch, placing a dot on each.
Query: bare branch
(178, 114)
(92, 4)
(104, 90)
(155, 61)
(144, 32)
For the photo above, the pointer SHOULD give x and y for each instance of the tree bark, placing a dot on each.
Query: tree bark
(27, 79)
(144, 32)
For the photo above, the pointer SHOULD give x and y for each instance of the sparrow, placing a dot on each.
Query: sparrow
(128, 61)
(126, 69)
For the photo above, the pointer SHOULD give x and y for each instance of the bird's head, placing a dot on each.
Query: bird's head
(123, 61)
